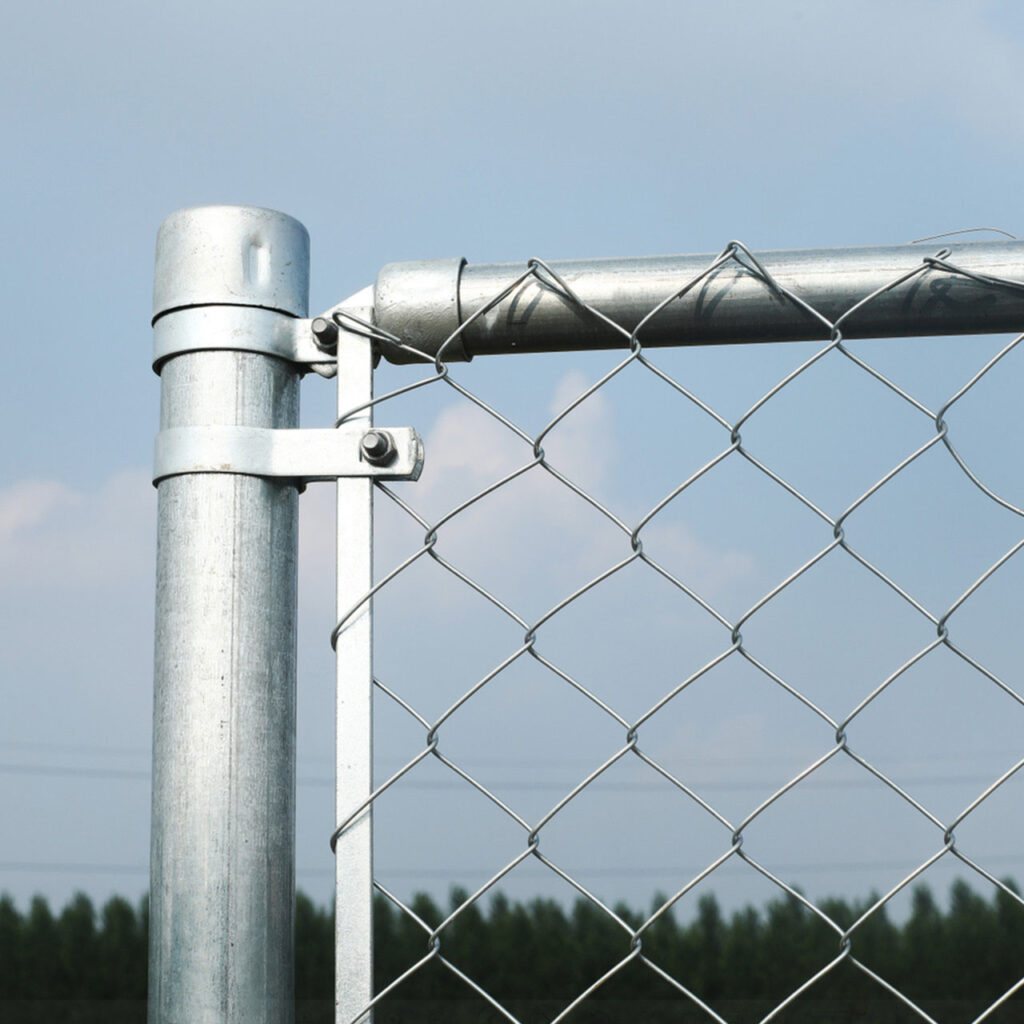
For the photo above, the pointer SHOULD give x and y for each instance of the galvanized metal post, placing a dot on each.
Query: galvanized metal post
(222, 872)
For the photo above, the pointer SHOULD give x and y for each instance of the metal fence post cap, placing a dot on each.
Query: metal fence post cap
(231, 255)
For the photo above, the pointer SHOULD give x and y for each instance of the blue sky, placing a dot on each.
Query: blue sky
(406, 130)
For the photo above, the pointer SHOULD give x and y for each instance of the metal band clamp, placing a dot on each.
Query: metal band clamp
(304, 455)
(240, 329)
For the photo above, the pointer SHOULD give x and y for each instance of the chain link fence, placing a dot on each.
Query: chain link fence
(734, 619)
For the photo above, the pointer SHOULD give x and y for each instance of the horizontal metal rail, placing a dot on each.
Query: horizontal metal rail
(965, 288)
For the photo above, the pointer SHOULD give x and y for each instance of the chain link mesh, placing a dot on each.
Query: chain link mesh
(834, 742)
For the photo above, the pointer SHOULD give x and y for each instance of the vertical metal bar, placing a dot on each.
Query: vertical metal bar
(222, 862)
(354, 730)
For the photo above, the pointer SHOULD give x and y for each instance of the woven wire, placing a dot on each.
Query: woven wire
(838, 728)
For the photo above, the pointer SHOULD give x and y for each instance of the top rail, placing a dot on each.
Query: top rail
(964, 288)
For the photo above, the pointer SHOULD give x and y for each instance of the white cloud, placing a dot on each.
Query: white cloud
(27, 503)
(469, 449)
(54, 536)
(533, 541)
(707, 570)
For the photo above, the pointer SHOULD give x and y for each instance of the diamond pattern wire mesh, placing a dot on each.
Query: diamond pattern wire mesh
(834, 538)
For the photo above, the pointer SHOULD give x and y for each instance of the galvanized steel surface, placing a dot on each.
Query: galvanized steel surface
(301, 456)
(237, 329)
(231, 256)
(222, 865)
(586, 304)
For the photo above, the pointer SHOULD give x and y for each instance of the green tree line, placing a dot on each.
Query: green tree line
(87, 964)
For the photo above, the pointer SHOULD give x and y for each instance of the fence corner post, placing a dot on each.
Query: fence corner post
(222, 875)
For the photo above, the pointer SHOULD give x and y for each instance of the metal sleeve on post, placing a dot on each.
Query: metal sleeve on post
(222, 856)
(418, 302)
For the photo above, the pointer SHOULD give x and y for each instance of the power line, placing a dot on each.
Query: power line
(61, 771)
(520, 785)
(80, 748)
(453, 874)
(72, 868)
(102, 750)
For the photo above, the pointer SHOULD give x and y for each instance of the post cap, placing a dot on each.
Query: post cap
(231, 255)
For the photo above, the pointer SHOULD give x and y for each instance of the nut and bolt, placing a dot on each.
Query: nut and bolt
(378, 447)
(325, 333)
